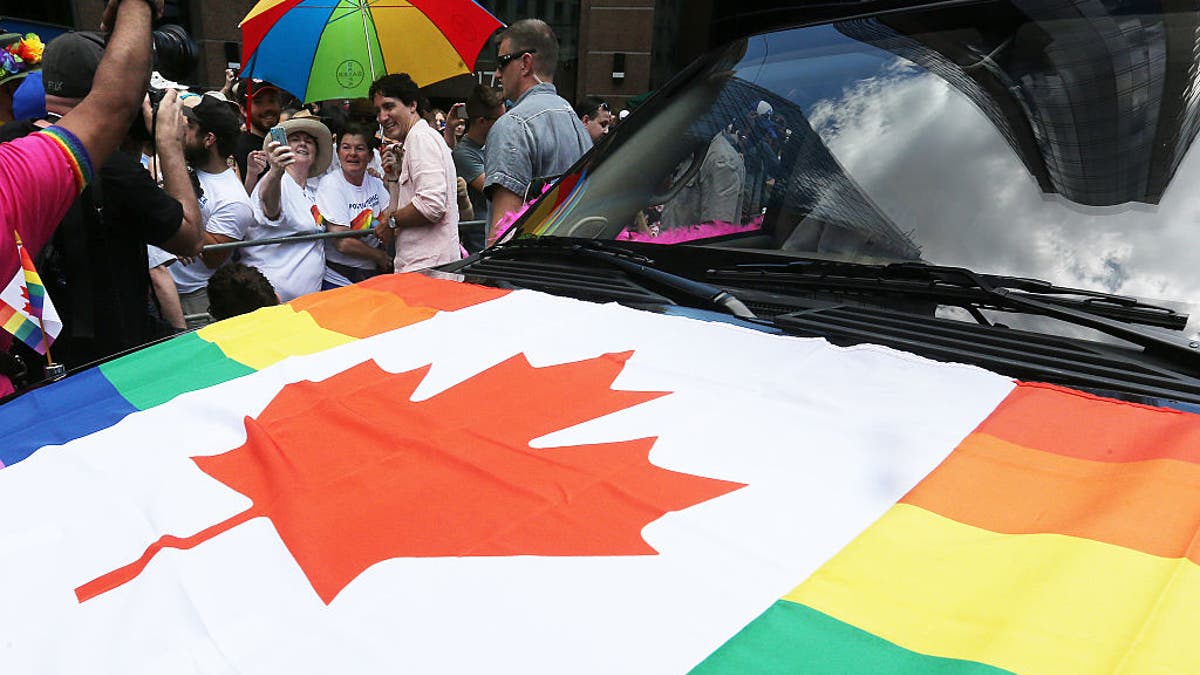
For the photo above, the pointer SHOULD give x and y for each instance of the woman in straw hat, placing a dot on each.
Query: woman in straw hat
(283, 206)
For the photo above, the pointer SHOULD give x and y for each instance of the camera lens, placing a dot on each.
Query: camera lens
(175, 52)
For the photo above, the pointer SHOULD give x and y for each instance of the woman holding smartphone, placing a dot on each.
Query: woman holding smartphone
(283, 205)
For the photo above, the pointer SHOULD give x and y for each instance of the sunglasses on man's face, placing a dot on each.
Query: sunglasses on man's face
(503, 60)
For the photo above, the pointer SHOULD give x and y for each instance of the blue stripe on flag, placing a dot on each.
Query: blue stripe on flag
(83, 404)
(284, 57)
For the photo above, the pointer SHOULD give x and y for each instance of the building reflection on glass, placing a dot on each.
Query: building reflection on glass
(1100, 104)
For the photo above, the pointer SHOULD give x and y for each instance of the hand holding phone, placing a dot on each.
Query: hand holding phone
(279, 135)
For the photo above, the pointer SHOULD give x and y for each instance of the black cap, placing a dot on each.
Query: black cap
(69, 64)
(215, 115)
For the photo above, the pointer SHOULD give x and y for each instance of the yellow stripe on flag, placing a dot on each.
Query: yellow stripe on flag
(269, 335)
(1037, 603)
(419, 48)
(263, 6)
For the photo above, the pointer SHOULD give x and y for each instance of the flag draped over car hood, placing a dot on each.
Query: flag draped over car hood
(415, 475)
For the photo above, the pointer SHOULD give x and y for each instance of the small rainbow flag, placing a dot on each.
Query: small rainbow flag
(365, 220)
(25, 308)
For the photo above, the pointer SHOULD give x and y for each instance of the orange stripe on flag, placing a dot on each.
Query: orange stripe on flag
(1151, 506)
(419, 290)
(360, 312)
(1075, 424)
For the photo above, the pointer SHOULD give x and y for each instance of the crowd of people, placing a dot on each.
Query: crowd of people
(126, 197)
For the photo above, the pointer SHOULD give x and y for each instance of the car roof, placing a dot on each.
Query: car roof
(734, 19)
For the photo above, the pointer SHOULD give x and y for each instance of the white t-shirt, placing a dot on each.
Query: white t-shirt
(226, 210)
(156, 256)
(294, 269)
(345, 203)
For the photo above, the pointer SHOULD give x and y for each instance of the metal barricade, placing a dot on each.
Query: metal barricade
(197, 318)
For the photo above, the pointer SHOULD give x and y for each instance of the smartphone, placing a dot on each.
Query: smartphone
(460, 111)
(279, 135)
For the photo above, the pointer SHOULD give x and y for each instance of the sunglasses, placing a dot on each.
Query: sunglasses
(503, 60)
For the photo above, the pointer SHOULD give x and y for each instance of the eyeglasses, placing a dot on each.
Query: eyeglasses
(503, 60)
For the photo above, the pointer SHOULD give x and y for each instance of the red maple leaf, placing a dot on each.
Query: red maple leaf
(351, 472)
(25, 294)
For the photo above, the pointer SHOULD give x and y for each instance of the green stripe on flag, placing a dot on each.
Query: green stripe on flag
(341, 67)
(792, 638)
(158, 374)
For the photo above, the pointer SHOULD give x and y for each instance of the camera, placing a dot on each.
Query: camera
(175, 52)
(175, 57)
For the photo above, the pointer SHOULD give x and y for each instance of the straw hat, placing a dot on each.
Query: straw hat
(313, 127)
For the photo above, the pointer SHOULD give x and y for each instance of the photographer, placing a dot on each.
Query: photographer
(212, 132)
(95, 267)
(42, 174)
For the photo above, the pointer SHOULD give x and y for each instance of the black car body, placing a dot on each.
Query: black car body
(999, 183)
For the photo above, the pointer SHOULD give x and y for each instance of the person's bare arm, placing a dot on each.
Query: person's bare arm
(504, 201)
(102, 119)
(256, 162)
(169, 141)
(280, 157)
(477, 184)
(214, 259)
(168, 296)
(359, 249)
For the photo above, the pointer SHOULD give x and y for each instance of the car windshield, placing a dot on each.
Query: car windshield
(1047, 141)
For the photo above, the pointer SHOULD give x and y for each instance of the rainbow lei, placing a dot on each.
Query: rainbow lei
(21, 56)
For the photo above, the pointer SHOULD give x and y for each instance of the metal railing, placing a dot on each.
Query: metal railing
(297, 238)
(294, 239)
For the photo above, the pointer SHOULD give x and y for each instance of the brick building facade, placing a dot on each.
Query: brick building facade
(614, 49)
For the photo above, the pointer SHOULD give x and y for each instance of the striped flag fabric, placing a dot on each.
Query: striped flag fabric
(26, 308)
(418, 475)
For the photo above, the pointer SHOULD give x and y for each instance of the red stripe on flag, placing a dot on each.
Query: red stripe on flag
(1075, 424)
(466, 25)
(254, 30)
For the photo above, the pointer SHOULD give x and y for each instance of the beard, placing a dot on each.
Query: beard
(195, 154)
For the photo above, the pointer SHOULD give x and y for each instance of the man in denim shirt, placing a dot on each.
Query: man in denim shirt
(541, 136)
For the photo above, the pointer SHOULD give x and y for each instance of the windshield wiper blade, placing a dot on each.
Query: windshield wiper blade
(999, 292)
(635, 265)
(946, 285)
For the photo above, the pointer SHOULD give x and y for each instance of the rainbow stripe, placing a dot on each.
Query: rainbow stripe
(1040, 545)
(34, 290)
(21, 328)
(558, 201)
(76, 154)
(364, 220)
(320, 49)
(98, 398)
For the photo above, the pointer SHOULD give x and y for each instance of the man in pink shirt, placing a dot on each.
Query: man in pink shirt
(423, 185)
(41, 174)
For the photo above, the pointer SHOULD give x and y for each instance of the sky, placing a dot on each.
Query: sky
(933, 163)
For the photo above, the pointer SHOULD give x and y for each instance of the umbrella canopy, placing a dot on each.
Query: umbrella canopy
(328, 49)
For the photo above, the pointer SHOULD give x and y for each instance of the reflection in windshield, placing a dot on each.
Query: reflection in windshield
(999, 137)
(1100, 110)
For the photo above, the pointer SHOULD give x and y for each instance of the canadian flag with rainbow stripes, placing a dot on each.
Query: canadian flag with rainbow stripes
(25, 308)
(418, 475)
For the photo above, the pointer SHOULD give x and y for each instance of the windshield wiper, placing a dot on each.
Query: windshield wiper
(633, 264)
(947, 285)
(1109, 314)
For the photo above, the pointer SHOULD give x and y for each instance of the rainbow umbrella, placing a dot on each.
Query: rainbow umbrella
(330, 49)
